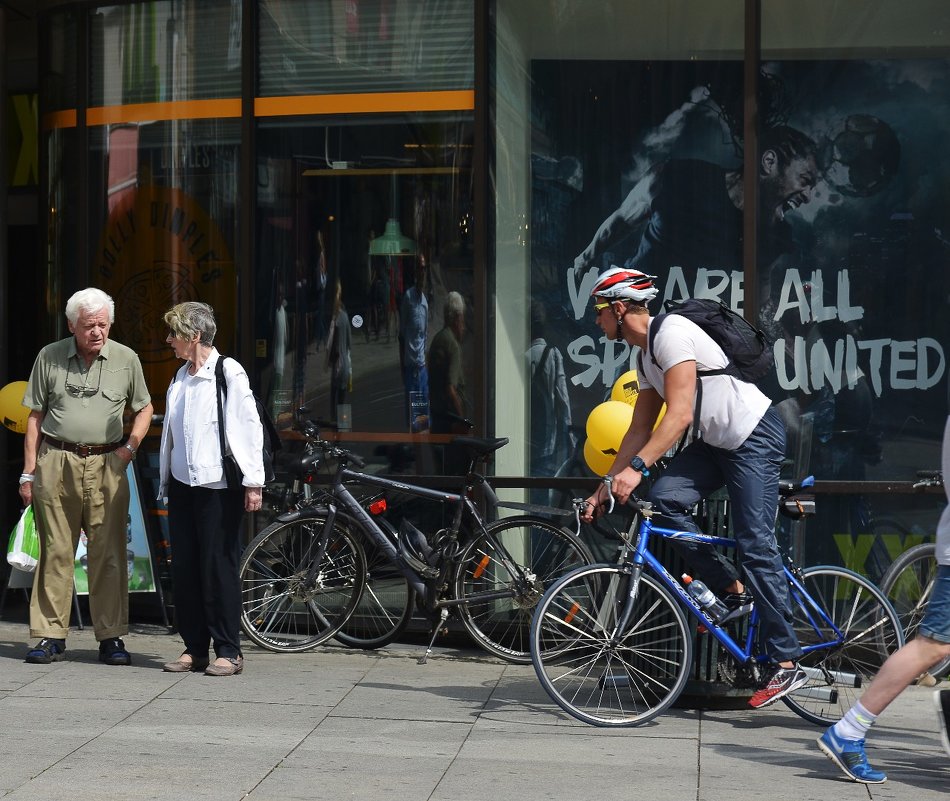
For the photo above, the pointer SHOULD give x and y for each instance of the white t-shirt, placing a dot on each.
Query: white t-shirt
(730, 409)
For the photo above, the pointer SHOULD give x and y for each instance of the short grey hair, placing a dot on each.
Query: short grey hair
(90, 301)
(187, 319)
(454, 307)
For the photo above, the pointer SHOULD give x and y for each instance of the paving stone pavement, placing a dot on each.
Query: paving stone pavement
(335, 724)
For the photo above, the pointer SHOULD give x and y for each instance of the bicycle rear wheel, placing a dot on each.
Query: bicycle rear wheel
(871, 632)
(908, 584)
(499, 602)
(385, 606)
(598, 674)
(280, 609)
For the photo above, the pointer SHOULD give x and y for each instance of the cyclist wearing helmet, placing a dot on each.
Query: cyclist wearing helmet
(741, 445)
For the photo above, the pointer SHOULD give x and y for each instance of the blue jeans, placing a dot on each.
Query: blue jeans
(936, 622)
(751, 475)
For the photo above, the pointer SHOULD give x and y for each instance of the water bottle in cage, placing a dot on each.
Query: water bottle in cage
(705, 597)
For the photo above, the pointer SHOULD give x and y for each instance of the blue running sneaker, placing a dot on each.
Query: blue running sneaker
(850, 757)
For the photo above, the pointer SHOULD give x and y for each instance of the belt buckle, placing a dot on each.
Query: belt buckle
(83, 451)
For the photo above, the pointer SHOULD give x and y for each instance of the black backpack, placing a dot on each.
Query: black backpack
(272, 442)
(540, 425)
(748, 349)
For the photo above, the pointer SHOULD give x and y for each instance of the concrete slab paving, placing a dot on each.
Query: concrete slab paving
(334, 723)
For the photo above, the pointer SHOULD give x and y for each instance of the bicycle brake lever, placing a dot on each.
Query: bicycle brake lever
(609, 481)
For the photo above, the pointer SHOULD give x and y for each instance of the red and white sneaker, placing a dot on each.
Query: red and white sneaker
(781, 683)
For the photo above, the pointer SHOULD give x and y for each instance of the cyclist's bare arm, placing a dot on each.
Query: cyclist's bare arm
(679, 385)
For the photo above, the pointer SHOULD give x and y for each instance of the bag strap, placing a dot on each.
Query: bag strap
(221, 388)
(651, 338)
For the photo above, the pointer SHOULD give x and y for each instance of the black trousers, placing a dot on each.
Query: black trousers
(204, 529)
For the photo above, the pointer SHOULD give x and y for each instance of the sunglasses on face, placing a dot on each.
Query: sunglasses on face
(599, 307)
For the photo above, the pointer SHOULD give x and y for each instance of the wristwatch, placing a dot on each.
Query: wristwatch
(638, 464)
(130, 449)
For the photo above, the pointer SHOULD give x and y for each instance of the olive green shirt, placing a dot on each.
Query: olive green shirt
(85, 406)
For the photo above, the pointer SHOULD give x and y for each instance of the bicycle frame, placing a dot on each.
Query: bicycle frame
(387, 541)
(639, 556)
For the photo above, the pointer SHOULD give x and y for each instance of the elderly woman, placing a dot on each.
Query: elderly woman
(204, 513)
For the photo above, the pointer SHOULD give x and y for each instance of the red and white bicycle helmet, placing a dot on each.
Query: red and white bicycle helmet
(619, 283)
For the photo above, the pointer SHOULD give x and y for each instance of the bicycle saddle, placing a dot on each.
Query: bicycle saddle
(480, 445)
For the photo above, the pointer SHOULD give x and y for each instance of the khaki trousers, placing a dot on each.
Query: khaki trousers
(71, 493)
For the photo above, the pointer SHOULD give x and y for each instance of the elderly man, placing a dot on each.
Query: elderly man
(74, 474)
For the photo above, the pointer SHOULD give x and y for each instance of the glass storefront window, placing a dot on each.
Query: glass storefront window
(365, 46)
(59, 77)
(164, 50)
(165, 230)
(620, 139)
(857, 289)
(357, 206)
(62, 224)
(590, 101)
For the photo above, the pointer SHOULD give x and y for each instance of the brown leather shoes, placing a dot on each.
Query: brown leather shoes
(185, 664)
(231, 666)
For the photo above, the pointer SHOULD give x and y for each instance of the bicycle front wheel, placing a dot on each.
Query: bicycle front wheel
(385, 606)
(908, 585)
(502, 575)
(286, 605)
(597, 672)
(840, 666)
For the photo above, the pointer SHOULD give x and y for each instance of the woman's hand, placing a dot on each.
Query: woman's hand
(253, 497)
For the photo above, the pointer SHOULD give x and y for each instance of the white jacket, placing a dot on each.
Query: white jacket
(243, 433)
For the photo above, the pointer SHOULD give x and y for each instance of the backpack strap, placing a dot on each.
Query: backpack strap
(651, 338)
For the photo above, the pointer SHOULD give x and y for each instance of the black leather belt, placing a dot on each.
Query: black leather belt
(80, 450)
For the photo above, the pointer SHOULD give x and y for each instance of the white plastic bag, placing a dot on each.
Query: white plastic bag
(24, 548)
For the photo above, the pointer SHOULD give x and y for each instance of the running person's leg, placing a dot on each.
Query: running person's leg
(843, 743)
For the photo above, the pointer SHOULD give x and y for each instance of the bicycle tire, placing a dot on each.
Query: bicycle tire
(601, 677)
(277, 611)
(872, 632)
(385, 606)
(544, 552)
(908, 584)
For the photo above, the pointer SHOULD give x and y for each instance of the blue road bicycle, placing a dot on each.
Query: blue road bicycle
(612, 645)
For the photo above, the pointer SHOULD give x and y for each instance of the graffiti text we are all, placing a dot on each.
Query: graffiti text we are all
(806, 360)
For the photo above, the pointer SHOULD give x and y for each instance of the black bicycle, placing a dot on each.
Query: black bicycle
(312, 571)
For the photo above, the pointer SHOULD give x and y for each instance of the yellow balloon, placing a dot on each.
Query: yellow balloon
(598, 462)
(12, 410)
(626, 388)
(607, 423)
